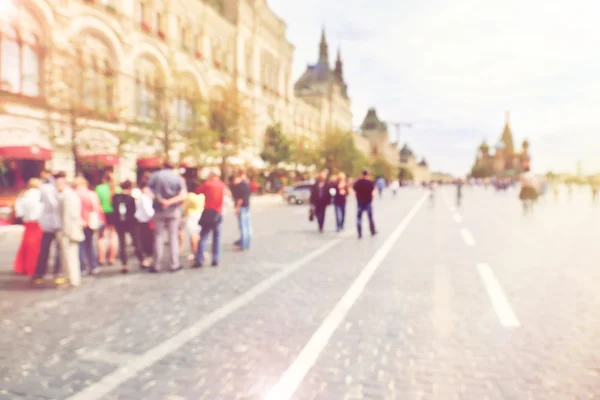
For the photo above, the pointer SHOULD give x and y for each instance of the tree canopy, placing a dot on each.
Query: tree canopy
(338, 153)
(277, 146)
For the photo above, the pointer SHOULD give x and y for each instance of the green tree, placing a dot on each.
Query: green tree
(381, 167)
(338, 153)
(277, 147)
(303, 152)
(229, 123)
(76, 95)
(405, 174)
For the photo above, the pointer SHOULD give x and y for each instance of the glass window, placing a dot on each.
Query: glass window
(10, 62)
(20, 63)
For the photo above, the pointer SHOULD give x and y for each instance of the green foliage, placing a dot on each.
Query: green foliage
(277, 147)
(229, 123)
(302, 152)
(381, 167)
(338, 153)
(406, 174)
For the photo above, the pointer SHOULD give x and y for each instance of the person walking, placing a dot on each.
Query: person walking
(339, 200)
(105, 192)
(365, 191)
(320, 198)
(29, 208)
(51, 224)
(380, 185)
(71, 233)
(169, 193)
(395, 185)
(241, 197)
(144, 235)
(125, 208)
(214, 190)
(93, 219)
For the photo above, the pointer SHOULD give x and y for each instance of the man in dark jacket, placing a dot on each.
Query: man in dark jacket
(365, 191)
(320, 198)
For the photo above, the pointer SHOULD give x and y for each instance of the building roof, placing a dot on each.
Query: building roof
(321, 72)
(406, 151)
(423, 163)
(372, 121)
(507, 137)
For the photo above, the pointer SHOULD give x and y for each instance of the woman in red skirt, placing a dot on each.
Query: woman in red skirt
(29, 207)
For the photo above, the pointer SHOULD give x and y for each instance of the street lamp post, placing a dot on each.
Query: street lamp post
(397, 126)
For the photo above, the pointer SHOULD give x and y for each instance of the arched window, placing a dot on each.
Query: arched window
(149, 92)
(96, 75)
(20, 62)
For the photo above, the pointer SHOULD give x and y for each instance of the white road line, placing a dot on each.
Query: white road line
(107, 357)
(467, 237)
(499, 301)
(457, 217)
(294, 375)
(111, 381)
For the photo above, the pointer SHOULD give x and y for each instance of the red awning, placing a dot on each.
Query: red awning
(99, 160)
(18, 143)
(150, 162)
(25, 153)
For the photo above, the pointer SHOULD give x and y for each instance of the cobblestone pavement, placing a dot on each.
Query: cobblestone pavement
(470, 303)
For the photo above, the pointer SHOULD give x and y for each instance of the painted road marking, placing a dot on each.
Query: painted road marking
(294, 375)
(467, 237)
(499, 301)
(111, 381)
(457, 217)
(107, 357)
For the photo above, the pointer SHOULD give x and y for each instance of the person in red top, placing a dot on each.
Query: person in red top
(214, 191)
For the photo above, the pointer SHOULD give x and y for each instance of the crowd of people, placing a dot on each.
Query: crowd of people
(91, 228)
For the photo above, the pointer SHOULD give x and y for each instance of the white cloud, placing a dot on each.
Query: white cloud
(464, 63)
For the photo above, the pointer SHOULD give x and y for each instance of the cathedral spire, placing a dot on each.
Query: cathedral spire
(323, 50)
(339, 69)
(507, 136)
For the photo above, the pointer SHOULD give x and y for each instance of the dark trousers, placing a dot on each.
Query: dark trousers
(362, 208)
(320, 215)
(122, 231)
(144, 238)
(340, 215)
(42, 263)
(216, 243)
(87, 252)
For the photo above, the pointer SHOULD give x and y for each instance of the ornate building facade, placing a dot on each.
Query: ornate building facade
(374, 141)
(505, 160)
(134, 50)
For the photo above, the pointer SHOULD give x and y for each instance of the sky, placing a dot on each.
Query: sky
(454, 68)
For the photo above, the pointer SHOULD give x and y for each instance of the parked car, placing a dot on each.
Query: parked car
(299, 193)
